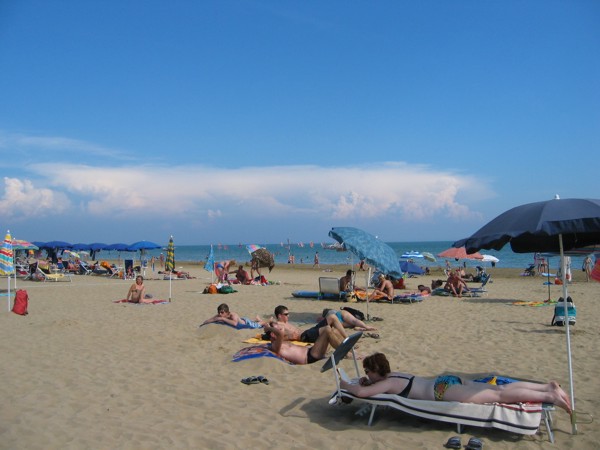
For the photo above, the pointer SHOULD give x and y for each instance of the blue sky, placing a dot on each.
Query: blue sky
(259, 121)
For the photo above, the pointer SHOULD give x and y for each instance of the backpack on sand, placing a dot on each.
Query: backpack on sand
(21, 302)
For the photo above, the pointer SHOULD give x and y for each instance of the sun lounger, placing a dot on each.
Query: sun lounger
(57, 276)
(522, 418)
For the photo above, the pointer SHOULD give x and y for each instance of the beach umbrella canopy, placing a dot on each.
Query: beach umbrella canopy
(96, 246)
(7, 263)
(170, 261)
(556, 225)
(59, 245)
(489, 258)
(19, 244)
(252, 248)
(411, 254)
(411, 268)
(80, 246)
(459, 253)
(143, 245)
(429, 257)
(366, 246)
(263, 258)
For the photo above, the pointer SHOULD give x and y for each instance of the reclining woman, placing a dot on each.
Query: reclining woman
(381, 380)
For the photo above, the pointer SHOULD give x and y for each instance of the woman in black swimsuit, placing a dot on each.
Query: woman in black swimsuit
(380, 380)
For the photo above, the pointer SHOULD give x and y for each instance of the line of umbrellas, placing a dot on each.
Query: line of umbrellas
(97, 246)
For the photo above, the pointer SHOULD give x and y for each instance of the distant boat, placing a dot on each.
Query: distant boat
(337, 247)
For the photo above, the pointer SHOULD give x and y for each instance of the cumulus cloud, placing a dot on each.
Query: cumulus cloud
(21, 199)
(404, 192)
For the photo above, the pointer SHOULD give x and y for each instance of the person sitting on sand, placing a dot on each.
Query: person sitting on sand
(298, 354)
(242, 276)
(346, 281)
(347, 320)
(455, 284)
(137, 291)
(380, 380)
(385, 289)
(233, 319)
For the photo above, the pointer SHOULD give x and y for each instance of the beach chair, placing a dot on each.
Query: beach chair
(52, 276)
(521, 418)
(84, 268)
(485, 278)
(329, 287)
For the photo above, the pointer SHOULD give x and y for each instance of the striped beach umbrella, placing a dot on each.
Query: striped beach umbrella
(170, 262)
(7, 264)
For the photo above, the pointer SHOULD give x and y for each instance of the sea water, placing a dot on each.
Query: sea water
(304, 253)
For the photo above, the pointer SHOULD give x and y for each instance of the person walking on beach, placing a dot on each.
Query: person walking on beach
(316, 261)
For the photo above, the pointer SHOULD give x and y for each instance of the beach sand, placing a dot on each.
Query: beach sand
(82, 372)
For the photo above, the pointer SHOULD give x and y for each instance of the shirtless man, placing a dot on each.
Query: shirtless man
(346, 281)
(233, 319)
(297, 354)
(241, 275)
(385, 288)
(293, 333)
(455, 284)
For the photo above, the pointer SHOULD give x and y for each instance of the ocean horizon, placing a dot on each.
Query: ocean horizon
(304, 253)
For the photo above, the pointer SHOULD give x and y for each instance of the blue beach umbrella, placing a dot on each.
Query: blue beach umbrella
(366, 246)
(411, 268)
(557, 226)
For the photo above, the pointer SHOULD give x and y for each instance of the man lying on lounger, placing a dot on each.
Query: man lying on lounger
(297, 354)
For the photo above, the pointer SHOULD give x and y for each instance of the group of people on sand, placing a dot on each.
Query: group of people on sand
(379, 379)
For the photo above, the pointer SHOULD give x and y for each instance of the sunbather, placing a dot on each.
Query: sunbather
(380, 380)
(385, 290)
(347, 320)
(241, 275)
(137, 291)
(293, 333)
(455, 284)
(298, 354)
(233, 319)
(346, 281)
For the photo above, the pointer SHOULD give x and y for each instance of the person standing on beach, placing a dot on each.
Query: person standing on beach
(162, 261)
(316, 262)
(587, 267)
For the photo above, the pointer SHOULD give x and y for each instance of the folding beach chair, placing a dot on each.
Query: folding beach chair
(329, 286)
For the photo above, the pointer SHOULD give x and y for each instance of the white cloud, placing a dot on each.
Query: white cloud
(404, 192)
(22, 199)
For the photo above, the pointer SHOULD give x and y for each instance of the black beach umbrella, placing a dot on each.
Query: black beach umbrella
(557, 226)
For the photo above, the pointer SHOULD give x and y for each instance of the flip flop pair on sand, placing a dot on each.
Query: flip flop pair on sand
(473, 444)
(255, 380)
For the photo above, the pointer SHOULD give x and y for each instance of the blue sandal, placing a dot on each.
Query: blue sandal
(474, 444)
(453, 442)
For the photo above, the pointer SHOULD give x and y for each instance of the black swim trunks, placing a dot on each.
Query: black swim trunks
(311, 335)
(310, 358)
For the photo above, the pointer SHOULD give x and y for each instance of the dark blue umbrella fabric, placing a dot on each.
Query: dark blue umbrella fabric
(557, 226)
(81, 246)
(95, 246)
(535, 227)
(56, 244)
(120, 247)
(143, 245)
(411, 268)
(366, 246)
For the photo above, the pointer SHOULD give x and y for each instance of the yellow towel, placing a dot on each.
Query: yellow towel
(258, 340)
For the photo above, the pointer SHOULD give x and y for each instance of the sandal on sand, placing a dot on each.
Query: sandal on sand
(474, 444)
(453, 442)
(262, 379)
(372, 335)
(376, 319)
(251, 380)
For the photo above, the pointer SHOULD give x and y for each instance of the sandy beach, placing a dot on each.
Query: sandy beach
(83, 372)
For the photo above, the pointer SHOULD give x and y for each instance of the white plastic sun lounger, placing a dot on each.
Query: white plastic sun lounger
(522, 418)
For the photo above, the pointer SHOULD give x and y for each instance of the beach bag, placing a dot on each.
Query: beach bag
(559, 313)
(21, 302)
(226, 290)
(355, 312)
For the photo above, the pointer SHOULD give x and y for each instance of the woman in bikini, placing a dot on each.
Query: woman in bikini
(381, 380)
(137, 291)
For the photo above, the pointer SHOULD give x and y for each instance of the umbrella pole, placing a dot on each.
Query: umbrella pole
(170, 278)
(367, 289)
(563, 275)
